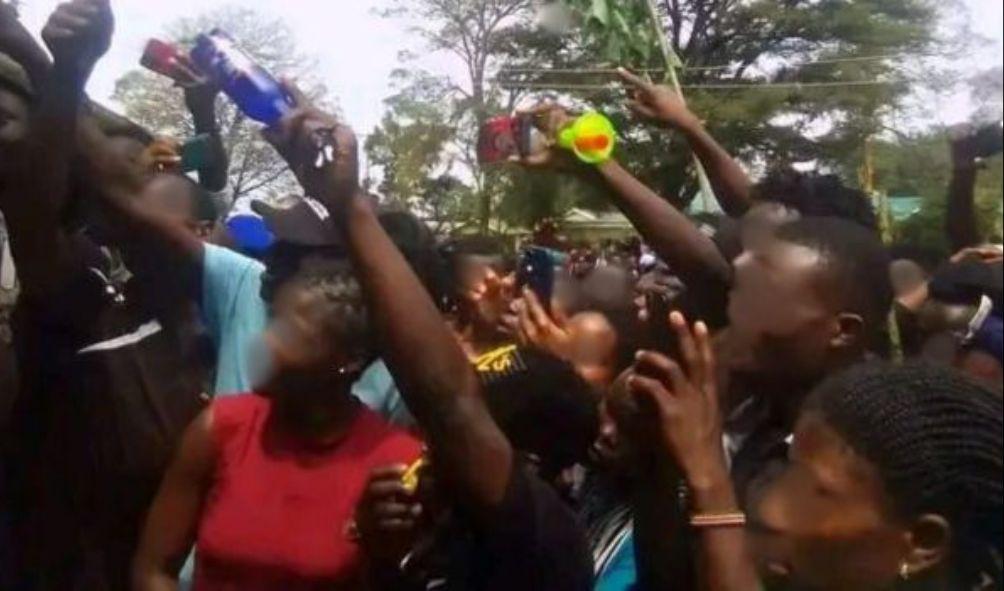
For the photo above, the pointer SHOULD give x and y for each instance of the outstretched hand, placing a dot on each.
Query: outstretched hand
(322, 153)
(79, 33)
(656, 103)
(548, 118)
(684, 400)
(545, 331)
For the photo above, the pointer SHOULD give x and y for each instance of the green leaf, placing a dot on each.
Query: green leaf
(600, 12)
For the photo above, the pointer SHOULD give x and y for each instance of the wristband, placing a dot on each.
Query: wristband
(703, 520)
(591, 138)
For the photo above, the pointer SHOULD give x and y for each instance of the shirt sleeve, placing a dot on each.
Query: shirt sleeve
(226, 277)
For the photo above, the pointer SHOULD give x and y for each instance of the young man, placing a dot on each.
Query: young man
(807, 301)
(109, 373)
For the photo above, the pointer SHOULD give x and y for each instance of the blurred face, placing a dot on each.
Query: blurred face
(13, 116)
(172, 196)
(302, 346)
(780, 325)
(618, 412)
(128, 149)
(825, 522)
(906, 276)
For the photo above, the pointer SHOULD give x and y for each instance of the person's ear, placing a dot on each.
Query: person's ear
(928, 542)
(204, 230)
(849, 330)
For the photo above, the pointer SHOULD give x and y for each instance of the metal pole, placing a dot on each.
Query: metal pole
(708, 200)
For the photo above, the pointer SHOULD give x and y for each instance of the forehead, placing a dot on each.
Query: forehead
(170, 192)
(830, 461)
(783, 268)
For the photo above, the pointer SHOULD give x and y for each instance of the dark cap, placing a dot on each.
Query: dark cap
(307, 223)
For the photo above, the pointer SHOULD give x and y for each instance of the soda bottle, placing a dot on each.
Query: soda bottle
(165, 59)
(254, 90)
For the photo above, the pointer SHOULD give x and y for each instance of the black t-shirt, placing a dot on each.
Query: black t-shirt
(106, 390)
(531, 542)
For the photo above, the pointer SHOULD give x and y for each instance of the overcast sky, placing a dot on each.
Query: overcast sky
(357, 49)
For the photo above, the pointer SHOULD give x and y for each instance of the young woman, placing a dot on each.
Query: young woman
(894, 479)
(267, 483)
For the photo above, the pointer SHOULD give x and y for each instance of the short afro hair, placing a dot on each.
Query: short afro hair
(815, 195)
(856, 265)
(936, 439)
(544, 407)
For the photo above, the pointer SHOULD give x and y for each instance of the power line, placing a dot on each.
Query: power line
(835, 60)
(513, 85)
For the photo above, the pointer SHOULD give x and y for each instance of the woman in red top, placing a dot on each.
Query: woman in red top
(267, 483)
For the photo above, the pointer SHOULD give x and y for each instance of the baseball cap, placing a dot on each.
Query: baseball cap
(307, 223)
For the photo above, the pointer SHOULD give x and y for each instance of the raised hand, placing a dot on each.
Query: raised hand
(549, 118)
(547, 332)
(322, 153)
(659, 104)
(685, 401)
(78, 33)
(200, 90)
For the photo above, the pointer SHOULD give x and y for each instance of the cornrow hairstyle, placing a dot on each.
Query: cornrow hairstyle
(816, 195)
(856, 264)
(936, 440)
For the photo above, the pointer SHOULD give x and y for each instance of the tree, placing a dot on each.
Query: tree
(154, 102)
(411, 148)
(472, 31)
(920, 166)
(748, 44)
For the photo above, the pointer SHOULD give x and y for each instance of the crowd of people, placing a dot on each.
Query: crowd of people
(724, 405)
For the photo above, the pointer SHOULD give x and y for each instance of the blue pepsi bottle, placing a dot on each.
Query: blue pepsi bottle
(253, 90)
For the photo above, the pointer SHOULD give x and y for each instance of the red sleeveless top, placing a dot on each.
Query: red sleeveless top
(277, 515)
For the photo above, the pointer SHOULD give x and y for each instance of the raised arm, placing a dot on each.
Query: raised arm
(18, 43)
(690, 253)
(677, 240)
(200, 98)
(36, 173)
(436, 380)
(681, 404)
(666, 108)
(967, 149)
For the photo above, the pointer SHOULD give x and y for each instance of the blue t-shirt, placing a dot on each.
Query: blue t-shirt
(377, 390)
(620, 572)
(234, 312)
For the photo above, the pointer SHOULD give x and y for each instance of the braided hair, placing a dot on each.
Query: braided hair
(936, 439)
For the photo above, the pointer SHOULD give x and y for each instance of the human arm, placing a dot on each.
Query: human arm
(967, 148)
(37, 168)
(172, 521)
(667, 108)
(18, 43)
(434, 376)
(684, 406)
(691, 254)
(200, 98)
